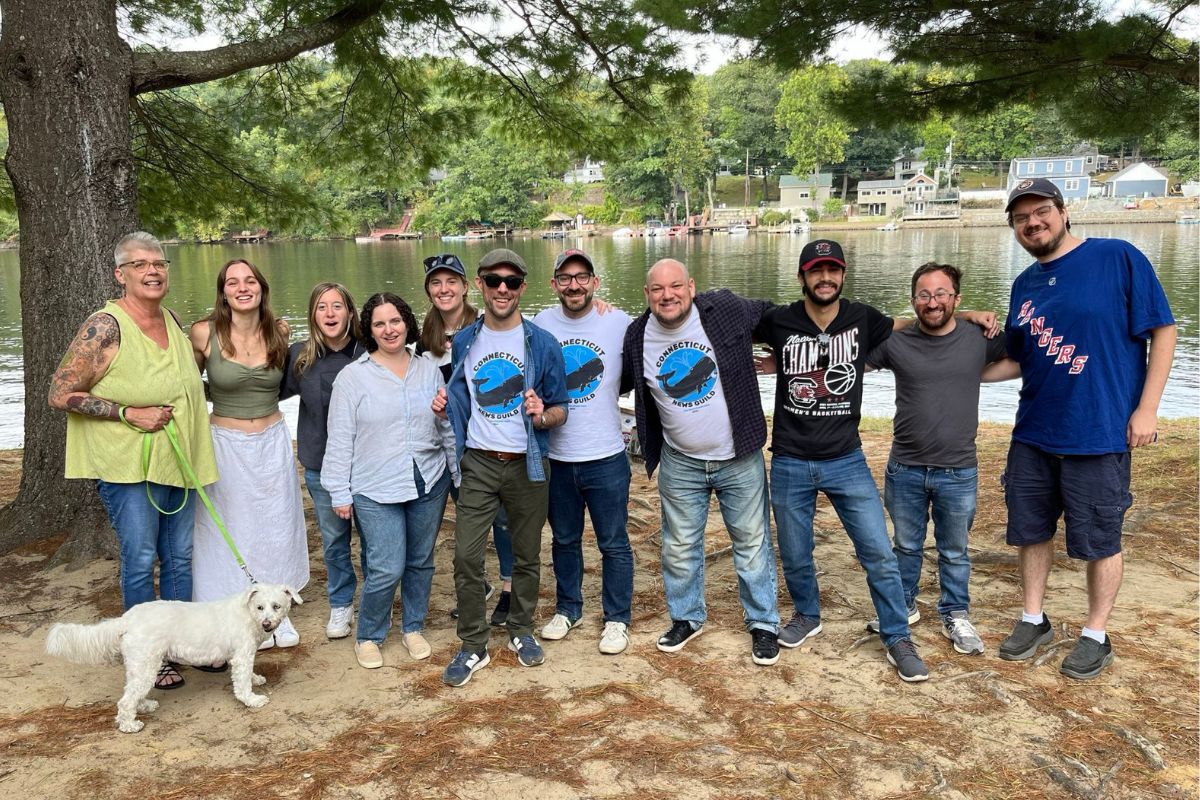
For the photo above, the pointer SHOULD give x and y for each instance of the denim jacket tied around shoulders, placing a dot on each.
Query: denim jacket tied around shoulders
(544, 373)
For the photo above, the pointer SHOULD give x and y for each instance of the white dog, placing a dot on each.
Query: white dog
(189, 633)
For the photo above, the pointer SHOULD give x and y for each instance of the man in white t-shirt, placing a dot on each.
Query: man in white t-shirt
(506, 391)
(588, 466)
(689, 359)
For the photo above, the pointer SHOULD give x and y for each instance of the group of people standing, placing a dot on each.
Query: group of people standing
(517, 419)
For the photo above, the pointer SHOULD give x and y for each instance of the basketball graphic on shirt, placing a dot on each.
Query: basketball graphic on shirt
(687, 374)
(584, 369)
(839, 378)
(497, 385)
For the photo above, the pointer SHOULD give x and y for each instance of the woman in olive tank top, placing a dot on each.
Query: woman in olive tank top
(242, 346)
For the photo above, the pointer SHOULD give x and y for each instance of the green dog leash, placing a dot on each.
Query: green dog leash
(189, 475)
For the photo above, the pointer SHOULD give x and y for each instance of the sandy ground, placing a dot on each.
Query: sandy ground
(831, 719)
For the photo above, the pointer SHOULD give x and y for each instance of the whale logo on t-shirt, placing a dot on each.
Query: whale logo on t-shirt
(499, 382)
(687, 374)
(585, 370)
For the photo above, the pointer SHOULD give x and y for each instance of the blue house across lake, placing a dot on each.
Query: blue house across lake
(1068, 173)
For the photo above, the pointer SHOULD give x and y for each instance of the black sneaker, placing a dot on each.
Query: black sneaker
(1088, 659)
(500, 615)
(488, 591)
(764, 647)
(681, 633)
(909, 666)
(1025, 639)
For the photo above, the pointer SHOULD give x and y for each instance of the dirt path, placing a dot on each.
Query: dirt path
(830, 720)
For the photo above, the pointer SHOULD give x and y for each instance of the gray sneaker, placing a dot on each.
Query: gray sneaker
(957, 627)
(1088, 659)
(909, 666)
(1025, 639)
(798, 630)
(914, 616)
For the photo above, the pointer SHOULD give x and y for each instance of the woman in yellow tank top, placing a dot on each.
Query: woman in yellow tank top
(133, 357)
(242, 346)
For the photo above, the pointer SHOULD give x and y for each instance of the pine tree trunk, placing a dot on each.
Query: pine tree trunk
(65, 83)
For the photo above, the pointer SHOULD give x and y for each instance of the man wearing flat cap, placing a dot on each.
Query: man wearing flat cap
(1079, 319)
(506, 391)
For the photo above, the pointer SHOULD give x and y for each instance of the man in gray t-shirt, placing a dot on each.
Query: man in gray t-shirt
(932, 467)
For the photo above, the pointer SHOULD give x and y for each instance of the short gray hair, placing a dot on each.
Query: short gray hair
(138, 240)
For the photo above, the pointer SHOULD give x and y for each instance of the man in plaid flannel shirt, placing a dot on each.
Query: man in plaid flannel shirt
(699, 415)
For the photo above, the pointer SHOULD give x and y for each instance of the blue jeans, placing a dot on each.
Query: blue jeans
(848, 484)
(398, 539)
(335, 544)
(909, 493)
(603, 487)
(684, 486)
(145, 533)
(501, 537)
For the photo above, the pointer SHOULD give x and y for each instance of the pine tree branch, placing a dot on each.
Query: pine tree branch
(153, 71)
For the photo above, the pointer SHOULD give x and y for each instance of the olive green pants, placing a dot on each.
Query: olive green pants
(486, 484)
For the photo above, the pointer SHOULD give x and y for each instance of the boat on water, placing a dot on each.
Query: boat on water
(738, 230)
(655, 227)
(1188, 219)
(622, 233)
(454, 237)
(891, 226)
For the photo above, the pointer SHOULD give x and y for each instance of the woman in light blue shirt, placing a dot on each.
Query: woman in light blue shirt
(391, 460)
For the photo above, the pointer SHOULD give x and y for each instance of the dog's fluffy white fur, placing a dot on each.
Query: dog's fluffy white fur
(187, 633)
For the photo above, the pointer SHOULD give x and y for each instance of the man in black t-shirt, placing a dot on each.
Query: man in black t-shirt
(821, 344)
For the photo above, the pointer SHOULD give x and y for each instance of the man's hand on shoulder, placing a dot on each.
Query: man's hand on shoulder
(984, 319)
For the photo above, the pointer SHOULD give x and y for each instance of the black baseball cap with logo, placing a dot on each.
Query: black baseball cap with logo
(1038, 187)
(819, 251)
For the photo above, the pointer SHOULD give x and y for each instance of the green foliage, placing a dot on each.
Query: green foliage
(743, 96)
(490, 179)
(772, 218)
(816, 133)
(1106, 71)
(832, 207)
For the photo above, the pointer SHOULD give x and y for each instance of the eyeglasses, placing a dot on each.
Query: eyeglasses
(512, 282)
(1041, 212)
(941, 295)
(444, 260)
(582, 278)
(162, 265)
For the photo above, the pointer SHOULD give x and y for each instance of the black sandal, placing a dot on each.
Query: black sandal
(165, 673)
(222, 667)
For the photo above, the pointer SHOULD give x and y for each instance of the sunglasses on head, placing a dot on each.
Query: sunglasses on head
(448, 260)
(513, 282)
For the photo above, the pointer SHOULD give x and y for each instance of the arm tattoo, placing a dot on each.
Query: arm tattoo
(83, 366)
(92, 406)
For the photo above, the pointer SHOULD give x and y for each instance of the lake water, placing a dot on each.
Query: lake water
(757, 265)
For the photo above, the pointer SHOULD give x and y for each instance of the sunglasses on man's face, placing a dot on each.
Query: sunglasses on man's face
(512, 282)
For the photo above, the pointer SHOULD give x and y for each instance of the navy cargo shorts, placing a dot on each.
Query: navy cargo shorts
(1091, 492)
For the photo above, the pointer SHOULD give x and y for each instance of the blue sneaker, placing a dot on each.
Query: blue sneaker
(463, 666)
(529, 652)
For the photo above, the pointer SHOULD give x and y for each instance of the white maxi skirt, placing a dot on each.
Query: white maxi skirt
(258, 497)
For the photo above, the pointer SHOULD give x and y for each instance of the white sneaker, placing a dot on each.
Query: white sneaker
(614, 639)
(340, 620)
(558, 627)
(416, 645)
(286, 635)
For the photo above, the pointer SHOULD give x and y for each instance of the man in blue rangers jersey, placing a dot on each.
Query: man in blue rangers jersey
(1078, 321)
